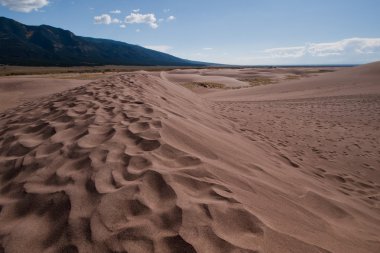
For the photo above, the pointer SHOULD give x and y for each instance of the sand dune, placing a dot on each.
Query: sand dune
(135, 163)
(15, 90)
(362, 80)
(188, 76)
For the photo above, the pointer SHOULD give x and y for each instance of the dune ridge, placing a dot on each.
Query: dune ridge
(135, 163)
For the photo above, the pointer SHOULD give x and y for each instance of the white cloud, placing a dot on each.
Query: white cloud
(325, 49)
(137, 18)
(115, 11)
(345, 51)
(103, 19)
(116, 21)
(161, 48)
(133, 18)
(351, 46)
(24, 5)
(106, 19)
(136, 10)
(281, 52)
(207, 48)
(171, 18)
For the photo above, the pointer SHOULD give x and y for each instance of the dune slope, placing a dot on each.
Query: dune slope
(361, 80)
(134, 163)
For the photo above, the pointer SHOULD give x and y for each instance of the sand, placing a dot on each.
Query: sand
(18, 89)
(137, 163)
(363, 80)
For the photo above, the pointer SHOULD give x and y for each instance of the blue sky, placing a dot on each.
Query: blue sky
(224, 31)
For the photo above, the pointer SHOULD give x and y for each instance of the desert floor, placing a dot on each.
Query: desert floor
(192, 160)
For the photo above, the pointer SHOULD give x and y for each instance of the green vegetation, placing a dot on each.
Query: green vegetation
(207, 85)
(257, 81)
(319, 71)
(292, 77)
(6, 70)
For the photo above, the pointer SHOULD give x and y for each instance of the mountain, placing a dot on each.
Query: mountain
(46, 45)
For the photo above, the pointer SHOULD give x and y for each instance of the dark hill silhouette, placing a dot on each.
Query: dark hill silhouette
(46, 46)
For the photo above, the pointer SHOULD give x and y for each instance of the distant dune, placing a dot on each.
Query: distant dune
(137, 163)
(363, 80)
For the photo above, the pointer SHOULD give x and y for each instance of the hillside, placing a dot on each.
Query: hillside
(46, 45)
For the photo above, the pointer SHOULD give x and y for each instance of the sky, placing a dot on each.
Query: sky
(244, 32)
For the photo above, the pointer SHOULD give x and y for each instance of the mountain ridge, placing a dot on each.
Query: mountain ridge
(45, 45)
